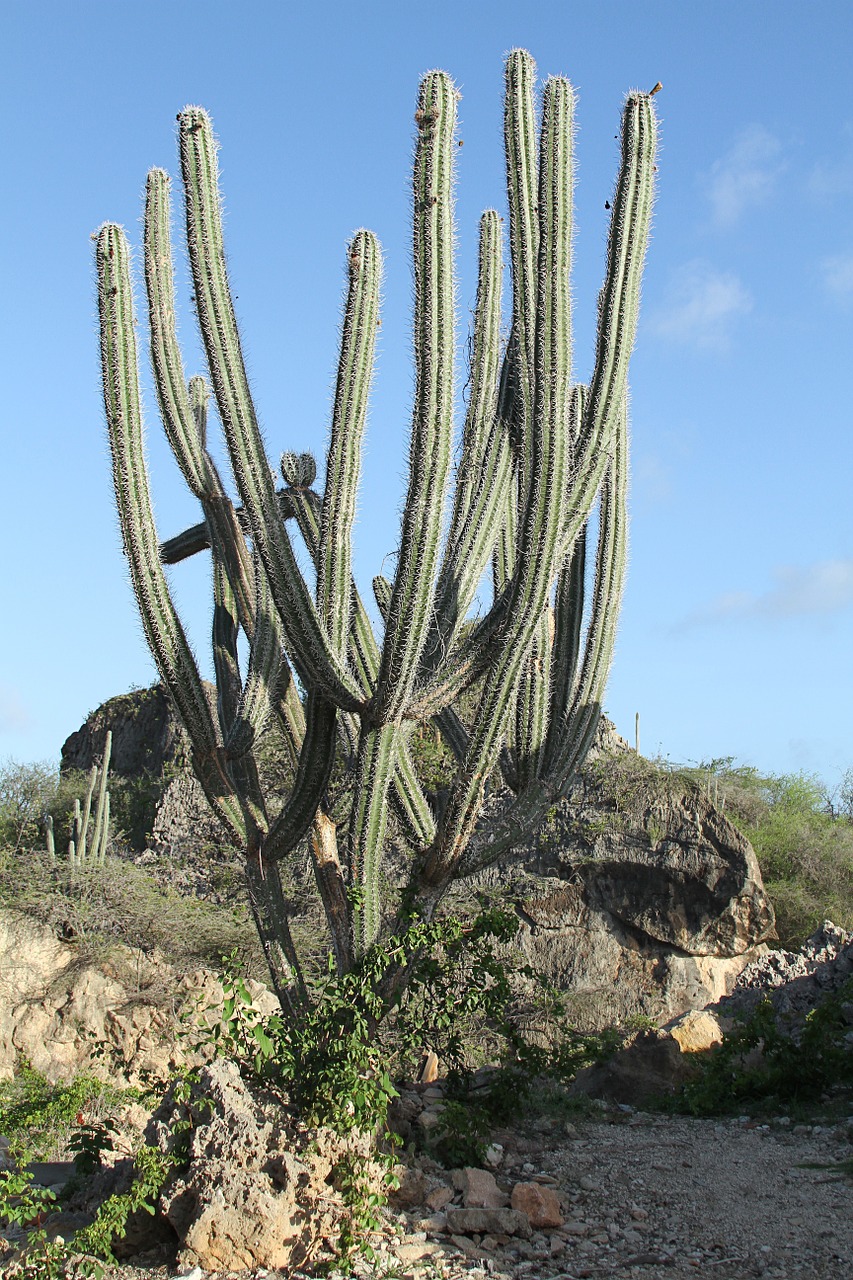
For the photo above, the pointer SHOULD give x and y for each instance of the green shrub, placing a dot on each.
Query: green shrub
(40, 1119)
(765, 1063)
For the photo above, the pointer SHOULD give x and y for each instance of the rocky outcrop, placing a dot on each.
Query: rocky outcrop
(638, 897)
(168, 812)
(112, 1015)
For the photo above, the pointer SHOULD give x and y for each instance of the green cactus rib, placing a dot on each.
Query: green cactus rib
(485, 459)
(432, 420)
(163, 629)
(355, 368)
(523, 193)
(571, 736)
(538, 543)
(619, 304)
(307, 640)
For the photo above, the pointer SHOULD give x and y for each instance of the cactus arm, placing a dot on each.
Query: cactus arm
(161, 624)
(225, 629)
(570, 736)
(532, 704)
(102, 808)
(522, 190)
(306, 636)
(355, 368)
(265, 657)
(183, 431)
(577, 728)
(271, 916)
(183, 409)
(374, 769)
(50, 843)
(83, 826)
(538, 543)
(484, 466)
(410, 804)
(618, 305)
(432, 420)
(312, 779)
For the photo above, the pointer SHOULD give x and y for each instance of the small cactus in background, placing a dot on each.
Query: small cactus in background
(540, 456)
(90, 832)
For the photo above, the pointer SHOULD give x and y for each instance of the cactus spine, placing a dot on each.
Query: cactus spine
(540, 456)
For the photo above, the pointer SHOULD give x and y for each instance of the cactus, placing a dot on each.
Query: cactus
(542, 476)
(90, 832)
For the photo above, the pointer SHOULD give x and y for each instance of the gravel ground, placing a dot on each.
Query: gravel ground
(644, 1196)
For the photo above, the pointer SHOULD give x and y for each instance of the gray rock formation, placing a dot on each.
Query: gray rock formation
(167, 811)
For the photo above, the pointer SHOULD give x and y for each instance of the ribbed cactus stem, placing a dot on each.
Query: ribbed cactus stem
(538, 457)
(432, 423)
(355, 369)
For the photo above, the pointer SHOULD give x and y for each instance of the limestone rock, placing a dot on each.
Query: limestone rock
(243, 1201)
(497, 1222)
(650, 1067)
(57, 1007)
(480, 1190)
(637, 897)
(540, 1204)
(696, 1031)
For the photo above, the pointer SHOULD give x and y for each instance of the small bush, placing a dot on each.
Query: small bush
(766, 1062)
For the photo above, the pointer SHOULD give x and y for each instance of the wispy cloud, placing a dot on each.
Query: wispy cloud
(701, 306)
(798, 591)
(13, 714)
(837, 274)
(745, 176)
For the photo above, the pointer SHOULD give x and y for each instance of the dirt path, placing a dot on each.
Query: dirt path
(644, 1197)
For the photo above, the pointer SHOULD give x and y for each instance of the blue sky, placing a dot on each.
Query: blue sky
(736, 631)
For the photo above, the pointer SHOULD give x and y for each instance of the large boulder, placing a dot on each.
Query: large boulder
(151, 756)
(638, 897)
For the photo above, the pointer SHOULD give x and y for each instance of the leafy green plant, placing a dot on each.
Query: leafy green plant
(40, 1117)
(89, 1142)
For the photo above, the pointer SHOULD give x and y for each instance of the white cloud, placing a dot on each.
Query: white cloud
(837, 274)
(745, 176)
(13, 714)
(701, 306)
(799, 591)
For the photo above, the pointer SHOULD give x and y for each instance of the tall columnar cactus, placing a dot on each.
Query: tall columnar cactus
(542, 473)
